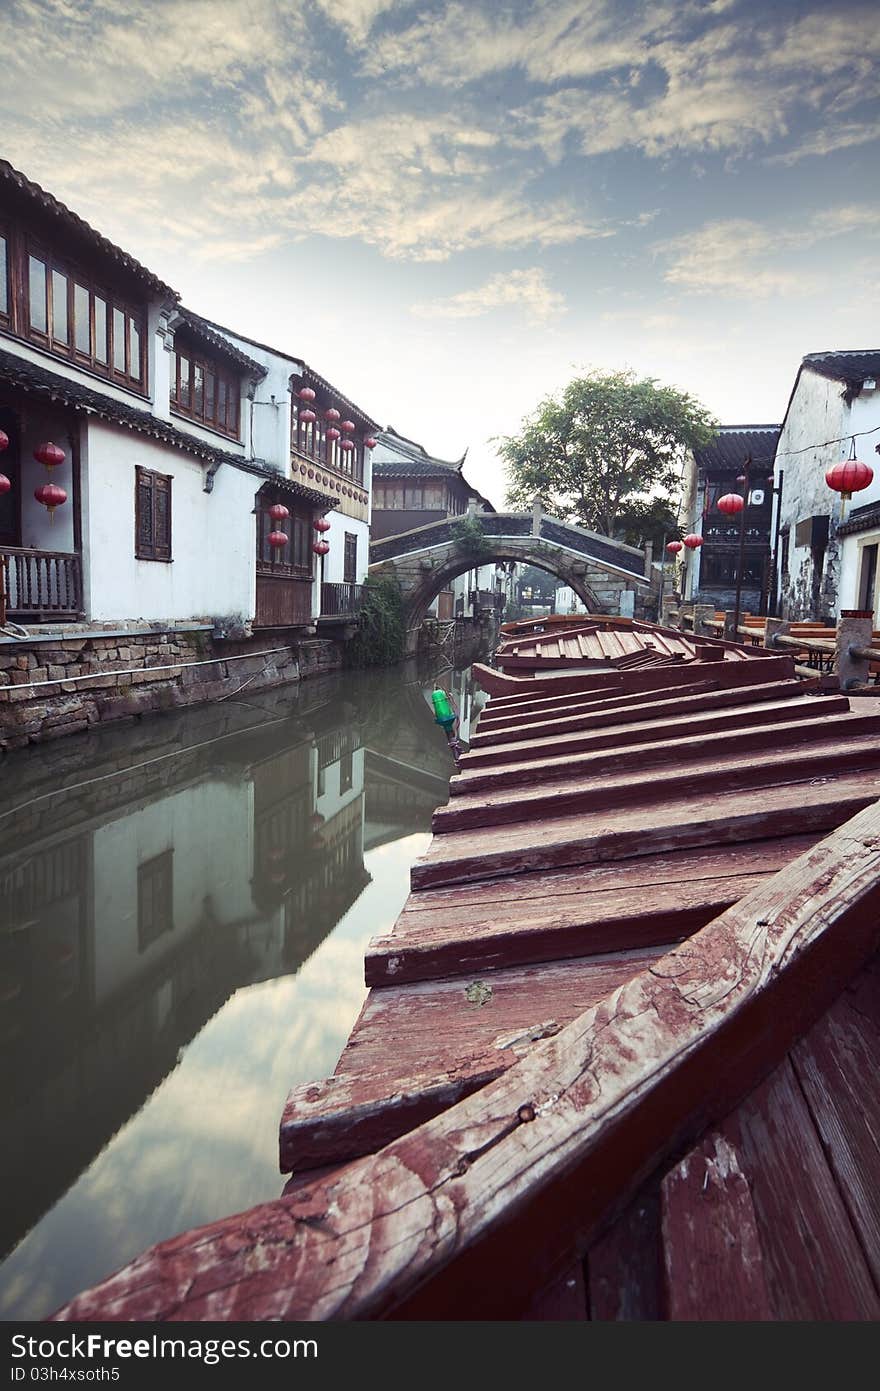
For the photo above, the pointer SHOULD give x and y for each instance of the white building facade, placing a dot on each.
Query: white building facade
(185, 485)
(828, 548)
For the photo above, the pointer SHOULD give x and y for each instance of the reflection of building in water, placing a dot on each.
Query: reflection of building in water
(120, 940)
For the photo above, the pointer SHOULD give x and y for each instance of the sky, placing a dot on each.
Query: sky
(451, 209)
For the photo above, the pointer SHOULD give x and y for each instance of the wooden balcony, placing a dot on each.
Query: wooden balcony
(284, 600)
(36, 586)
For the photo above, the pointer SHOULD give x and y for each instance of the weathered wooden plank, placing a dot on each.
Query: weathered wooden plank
(621, 833)
(652, 743)
(524, 708)
(836, 1066)
(711, 1247)
(586, 716)
(813, 1265)
(758, 667)
(580, 926)
(818, 752)
(345, 1116)
(466, 1215)
(433, 1025)
(520, 897)
(625, 1265)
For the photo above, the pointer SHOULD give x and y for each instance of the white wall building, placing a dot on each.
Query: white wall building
(176, 436)
(828, 561)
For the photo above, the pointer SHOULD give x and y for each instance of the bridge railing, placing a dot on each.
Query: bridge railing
(513, 524)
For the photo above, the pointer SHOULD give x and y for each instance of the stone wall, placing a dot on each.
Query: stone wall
(57, 683)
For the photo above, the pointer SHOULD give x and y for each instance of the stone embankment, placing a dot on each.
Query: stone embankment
(55, 683)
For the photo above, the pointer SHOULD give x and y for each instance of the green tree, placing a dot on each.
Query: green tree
(607, 454)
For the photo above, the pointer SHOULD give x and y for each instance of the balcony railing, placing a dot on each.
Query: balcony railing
(340, 600)
(39, 584)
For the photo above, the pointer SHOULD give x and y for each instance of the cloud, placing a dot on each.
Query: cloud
(521, 289)
(826, 142)
(741, 257)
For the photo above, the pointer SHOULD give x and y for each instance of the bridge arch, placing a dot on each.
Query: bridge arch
(419, 598)
(425, 559)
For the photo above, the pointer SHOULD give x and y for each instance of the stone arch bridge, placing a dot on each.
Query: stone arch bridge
(425, 560)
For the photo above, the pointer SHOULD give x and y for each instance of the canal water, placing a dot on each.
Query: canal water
(184, 908)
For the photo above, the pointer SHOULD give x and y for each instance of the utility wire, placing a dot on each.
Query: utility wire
(842, 439)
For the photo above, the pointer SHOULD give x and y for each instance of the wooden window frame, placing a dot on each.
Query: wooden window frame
(6, 314)
(158, 483)
(74, 275)
(227, 375)
(309, 441)
(295, 560)
(349, 551)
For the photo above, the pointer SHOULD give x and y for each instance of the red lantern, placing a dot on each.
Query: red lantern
(321, 524)
(370, 443)
(5, 484)
(278, 512)
(49, 454)
(4, 441)
(348, 426)
(320, 547)
(849, 477)
(674, 547)
(307, 417)
(277, 539)
(51, 496)
(305, 393)
(347, 444)
(333, 433)
(730, 504)
(331, 414)
(693, 542)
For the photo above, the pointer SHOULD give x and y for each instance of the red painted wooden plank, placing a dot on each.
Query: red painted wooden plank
(621, 833)
(524, 894)
(683, 738)
(582, 925)
(813, 1264)
(525, 707)
(817, 753)
(836, 1066)
(625, 1265)
(613, 714)
(348, 1115)
(435, 1025)
(711, 1247)
(756, 668)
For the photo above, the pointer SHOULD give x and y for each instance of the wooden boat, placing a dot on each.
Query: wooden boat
(617, 1058)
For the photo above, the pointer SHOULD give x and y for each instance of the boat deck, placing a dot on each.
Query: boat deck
(631, 994)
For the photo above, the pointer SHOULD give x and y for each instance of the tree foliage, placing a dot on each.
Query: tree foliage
(607, 454)
(381, 636)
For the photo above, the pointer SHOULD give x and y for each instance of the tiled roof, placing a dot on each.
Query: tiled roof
(863, 518)
(414, 468)
(850, 366)
(418, 463)
(734, 444)
(204, 332)
(411, 450)
(35, 380)
(12, 178)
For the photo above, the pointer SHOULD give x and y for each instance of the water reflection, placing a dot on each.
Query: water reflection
(184, 906)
